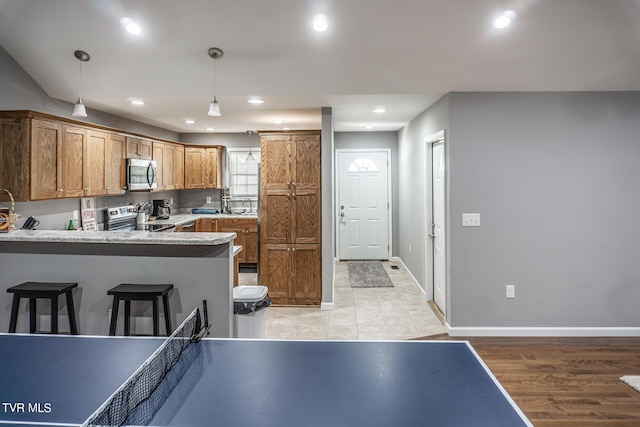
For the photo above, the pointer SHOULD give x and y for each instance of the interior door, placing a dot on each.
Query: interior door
(363, 205)
(438, 226)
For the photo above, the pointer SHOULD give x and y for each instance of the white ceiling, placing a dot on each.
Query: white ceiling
(399, 54)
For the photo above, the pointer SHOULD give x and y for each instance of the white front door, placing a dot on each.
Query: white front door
(438, 226)
(363, 205)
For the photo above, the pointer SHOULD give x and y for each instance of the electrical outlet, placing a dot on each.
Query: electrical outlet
(511, 291)
(171, 201)
(409, 248)
(208, 199)
(471, 220)
(76, 215)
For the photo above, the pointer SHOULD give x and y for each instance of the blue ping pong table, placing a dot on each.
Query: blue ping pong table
(49, 380)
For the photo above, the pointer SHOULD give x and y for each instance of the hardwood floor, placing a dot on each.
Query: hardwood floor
(566, 381)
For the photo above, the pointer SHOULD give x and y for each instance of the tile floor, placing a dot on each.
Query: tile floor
(394, 313)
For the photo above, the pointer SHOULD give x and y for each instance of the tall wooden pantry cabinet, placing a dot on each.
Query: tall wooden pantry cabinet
(290, 206)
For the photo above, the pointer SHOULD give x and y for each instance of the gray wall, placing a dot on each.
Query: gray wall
(18, 91)
(378, 140)
(554, 177)
(232, 140)
(328, 207)
(412, 183)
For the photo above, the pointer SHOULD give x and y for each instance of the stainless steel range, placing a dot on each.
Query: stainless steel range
(123, 218)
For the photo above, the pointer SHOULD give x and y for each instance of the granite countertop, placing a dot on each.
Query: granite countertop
(132, 237)
(122, 237)
(183, 218)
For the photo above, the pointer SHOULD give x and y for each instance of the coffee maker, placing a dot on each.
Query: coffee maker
(161, 209)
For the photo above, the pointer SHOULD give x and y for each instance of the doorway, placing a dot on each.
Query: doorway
(436, 226)
(363, 207)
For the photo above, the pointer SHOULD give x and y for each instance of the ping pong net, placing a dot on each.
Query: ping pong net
(142, 383)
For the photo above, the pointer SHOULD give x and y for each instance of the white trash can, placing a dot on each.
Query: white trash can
(249, 310)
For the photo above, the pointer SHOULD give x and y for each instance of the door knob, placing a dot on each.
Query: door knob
(342, 207)
(342, 214)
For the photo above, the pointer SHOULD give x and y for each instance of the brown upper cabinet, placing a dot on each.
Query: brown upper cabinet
(139, 148)
(203, 166)
(115, 180)
(47, 157)
(169, 158)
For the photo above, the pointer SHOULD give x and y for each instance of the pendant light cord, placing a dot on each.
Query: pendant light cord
(80, 84)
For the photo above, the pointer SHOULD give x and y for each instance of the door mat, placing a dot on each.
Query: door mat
(632, 380)
(368, 274)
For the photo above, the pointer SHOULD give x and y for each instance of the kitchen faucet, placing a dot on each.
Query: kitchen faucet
(250, 204)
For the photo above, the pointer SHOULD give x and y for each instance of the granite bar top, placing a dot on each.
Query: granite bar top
(122, 237)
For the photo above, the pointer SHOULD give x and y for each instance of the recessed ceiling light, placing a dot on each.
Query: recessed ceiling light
(368, 127)
(210, 129)
(255, 101)
(190, 121)
(278, 122)
(504, 20)
(379, 110)
(131, 26)
(286, 128)
(137, 102)
(320, 23)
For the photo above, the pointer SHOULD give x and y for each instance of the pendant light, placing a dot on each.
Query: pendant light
(250, 157)
(214, 107)
(79, 110)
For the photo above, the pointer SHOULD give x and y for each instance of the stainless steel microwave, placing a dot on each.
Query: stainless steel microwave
(141, 174)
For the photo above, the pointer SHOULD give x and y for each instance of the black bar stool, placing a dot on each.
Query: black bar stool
(34, 290)
(138, 292)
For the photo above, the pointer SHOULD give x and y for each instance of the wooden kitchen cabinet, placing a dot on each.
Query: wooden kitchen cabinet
(178, 165)
(290, 188)
(213, 167)
(47, 157)
(41, 159)
(246, 230)
(103, 164)
(115, 179)
(290, 208)
(139, 148)
(292, 273)
(193, 167)
(203, 167)
(169, 173)
(206, 225)
(57, 160)
(94, 164)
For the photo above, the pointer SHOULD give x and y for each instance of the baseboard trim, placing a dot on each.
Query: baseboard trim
(415, 281)
(327, 306)
(541, 332)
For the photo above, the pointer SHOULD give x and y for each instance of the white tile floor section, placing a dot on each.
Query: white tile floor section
(394, 313)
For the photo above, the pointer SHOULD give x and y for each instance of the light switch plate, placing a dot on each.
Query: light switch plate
(471, 220)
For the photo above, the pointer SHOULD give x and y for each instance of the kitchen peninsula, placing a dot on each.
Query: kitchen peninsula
(199, 265)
